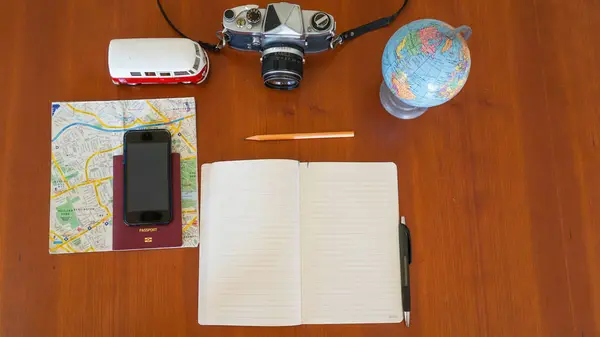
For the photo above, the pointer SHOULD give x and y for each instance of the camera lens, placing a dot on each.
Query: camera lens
(282, 67)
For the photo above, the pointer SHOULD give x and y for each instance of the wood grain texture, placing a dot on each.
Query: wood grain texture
(500, 187)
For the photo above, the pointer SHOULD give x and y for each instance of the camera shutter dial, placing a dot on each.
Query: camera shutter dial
(320, 21)
(253, 16)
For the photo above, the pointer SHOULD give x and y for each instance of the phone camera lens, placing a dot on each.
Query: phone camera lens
(147, 136)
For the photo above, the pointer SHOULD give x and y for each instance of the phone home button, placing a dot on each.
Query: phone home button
(149, 216)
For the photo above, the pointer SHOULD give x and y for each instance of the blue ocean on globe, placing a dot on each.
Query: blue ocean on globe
(427, 62)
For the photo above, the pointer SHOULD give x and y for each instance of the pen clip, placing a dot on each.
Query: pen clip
(404, 228)
(409, 245)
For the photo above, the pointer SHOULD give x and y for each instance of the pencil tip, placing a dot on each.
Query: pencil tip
(407, 318)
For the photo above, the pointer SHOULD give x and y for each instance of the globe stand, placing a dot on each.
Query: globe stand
(397, 107)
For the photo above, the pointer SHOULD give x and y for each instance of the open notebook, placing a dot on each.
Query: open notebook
(289, 243)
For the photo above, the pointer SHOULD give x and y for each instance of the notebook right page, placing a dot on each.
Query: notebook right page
(349, 241)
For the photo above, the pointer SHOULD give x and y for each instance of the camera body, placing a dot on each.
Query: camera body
(283, 33)
(252, 28)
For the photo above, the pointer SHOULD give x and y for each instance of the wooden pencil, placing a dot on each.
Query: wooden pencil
(295, 136)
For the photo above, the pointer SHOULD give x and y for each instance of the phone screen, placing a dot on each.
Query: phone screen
(147, 179)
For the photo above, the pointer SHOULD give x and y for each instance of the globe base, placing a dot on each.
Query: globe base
(397, 107)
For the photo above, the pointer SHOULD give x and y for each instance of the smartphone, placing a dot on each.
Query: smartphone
(147, 165)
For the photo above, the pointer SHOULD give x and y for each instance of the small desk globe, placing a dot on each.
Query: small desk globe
(425, 64)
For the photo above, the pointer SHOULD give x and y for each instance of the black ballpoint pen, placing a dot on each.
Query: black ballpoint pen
(405, 261)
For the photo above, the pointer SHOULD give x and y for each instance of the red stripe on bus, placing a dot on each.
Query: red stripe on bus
(159, 80)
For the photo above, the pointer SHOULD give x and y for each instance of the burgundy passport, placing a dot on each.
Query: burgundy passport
(146, 237)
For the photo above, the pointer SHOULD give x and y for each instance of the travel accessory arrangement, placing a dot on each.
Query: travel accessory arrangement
(271, 253)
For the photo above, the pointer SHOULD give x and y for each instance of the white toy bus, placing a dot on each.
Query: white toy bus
(155, 61)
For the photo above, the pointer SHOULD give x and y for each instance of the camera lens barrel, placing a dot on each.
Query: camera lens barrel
(282, 66)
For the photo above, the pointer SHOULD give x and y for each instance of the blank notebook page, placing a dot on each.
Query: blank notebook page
(250, 244)
(350, 255)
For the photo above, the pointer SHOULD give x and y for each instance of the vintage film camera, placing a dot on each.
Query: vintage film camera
(282, 33)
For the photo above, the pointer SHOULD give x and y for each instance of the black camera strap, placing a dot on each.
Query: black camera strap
(343, 37)
(369, 27)
(208, 46)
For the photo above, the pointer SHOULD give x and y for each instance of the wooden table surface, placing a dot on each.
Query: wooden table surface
(500, 187)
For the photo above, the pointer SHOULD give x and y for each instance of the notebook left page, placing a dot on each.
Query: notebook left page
(250, 244)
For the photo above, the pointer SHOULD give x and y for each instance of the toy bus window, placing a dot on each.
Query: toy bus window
(197, 49)
(135, 73)
(165, 74)
(150, 73)
(181, 73)
(197, 63)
